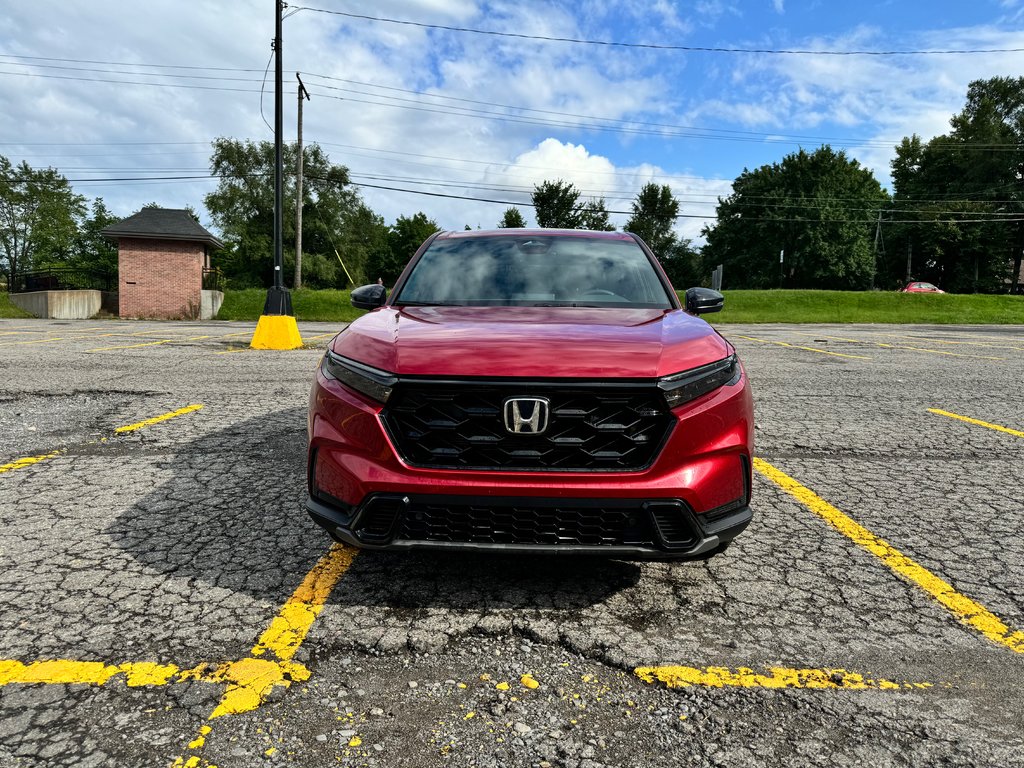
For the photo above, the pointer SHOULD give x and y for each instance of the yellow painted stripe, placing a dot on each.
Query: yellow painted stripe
(32, 341)
(808, 349)
(932, 340)
(136, 673)
(968, 419)
(131, 346)
(321, 336)
(65, 671)
(288, 629)
(232, 351)
(28, 461)
(158, 419)
(962, 607)
(251, 680)
(777, 677)
(900, 346)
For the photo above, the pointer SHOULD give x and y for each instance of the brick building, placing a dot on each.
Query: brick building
(161, 255)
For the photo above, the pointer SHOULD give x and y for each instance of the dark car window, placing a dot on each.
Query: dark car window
(534, 271)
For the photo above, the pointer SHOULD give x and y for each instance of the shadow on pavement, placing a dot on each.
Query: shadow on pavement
(232, 517)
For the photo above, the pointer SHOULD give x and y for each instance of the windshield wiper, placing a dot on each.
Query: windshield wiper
(425, 304)
(565, 304)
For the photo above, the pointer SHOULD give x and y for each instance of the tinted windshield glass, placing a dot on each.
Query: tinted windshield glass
(534, 271)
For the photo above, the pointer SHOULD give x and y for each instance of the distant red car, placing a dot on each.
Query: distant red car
(532, 391)
(918, 287)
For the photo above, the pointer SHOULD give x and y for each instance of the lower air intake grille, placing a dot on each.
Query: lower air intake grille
(576, 523)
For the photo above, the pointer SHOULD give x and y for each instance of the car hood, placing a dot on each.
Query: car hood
(531, 342)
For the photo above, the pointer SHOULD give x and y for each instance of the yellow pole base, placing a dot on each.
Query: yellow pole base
(276, 332)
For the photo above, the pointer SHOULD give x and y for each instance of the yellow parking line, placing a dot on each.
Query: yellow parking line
(28, 461)
(898, 346)
(131, 346)
(231, 351)
(777, 677)
(986, 344)
(32, 341)
(157, 419)
(965, 609)
(251, 680)
(969, 420)
(808, 349)
(67, 671)
(321, 336)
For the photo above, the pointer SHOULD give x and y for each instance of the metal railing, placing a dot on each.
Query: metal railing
(213, 279)
(62, 279)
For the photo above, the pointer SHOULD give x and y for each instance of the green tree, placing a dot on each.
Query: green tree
(654, 214)
(958, 203)
(242, 208)
(683, 264)
(594, 215)
(819, 208)
(556, 205)
(512, 219)
(92, 250)
(404, 237)
(39, 215)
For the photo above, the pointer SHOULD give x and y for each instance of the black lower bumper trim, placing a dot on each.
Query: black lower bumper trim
(368, 527)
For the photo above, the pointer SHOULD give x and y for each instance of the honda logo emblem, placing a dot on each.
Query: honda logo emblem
(527, 415)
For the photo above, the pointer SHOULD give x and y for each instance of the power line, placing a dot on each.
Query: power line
(129, 82)
(607, 124)
(528, 204)
(657, 46)
(125, 63)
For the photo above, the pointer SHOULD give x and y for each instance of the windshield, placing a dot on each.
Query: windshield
(528, 271)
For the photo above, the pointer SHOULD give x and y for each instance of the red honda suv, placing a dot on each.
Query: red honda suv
(532, 391)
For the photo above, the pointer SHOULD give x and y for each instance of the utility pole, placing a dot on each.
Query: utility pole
(277, 328)
(910, 252)
(878, 236)
(297, 283)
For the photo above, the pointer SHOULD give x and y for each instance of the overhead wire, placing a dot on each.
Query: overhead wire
(658, 46)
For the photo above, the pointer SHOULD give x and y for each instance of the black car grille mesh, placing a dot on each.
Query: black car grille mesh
(526, 523)
(592, 428)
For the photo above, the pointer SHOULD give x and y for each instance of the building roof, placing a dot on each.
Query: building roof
(162, 224)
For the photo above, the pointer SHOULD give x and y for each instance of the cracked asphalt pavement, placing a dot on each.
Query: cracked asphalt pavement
(167, 601)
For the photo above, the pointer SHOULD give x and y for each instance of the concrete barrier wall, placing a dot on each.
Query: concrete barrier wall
(59, 305)
(210, 304)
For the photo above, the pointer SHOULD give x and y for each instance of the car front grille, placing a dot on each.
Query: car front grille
(523, 522)
(460, 425)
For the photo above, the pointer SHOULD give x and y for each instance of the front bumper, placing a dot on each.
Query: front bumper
(656, 529)
(699, 483)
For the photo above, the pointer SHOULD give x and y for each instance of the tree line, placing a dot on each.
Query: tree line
(815, 219)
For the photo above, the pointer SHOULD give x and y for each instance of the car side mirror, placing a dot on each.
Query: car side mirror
(700, 301)
(369, 296)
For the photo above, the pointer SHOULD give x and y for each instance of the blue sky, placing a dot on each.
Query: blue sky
(486, 116)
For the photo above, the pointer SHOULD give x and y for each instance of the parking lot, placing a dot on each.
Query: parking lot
(167, 601)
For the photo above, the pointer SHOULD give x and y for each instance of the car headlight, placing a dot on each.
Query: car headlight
(689, 385)
(373, 383)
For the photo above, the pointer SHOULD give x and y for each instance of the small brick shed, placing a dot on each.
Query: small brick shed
(161, 253)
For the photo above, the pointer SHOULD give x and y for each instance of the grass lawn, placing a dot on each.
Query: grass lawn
(740, 307)
(867, 307)
(325, 305)
(9, 310)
